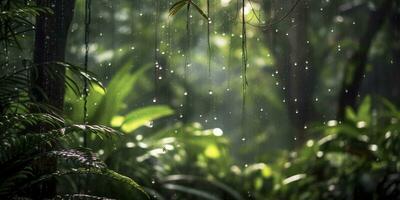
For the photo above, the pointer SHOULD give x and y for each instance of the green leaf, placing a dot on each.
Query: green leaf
(293, 178)
(177, 6)
(199, 10)
(350, 114)
(212, 151)
(91, 171)
(233, 194)
(364, 108)
(143, 116)
(180, 4)
(191, 191)
(118, 89)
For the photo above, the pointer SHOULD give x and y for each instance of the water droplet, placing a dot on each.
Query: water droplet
(310, 143)
(130, 144)
(150, 124)
(139, 137)
(373, 147)
(332, 123)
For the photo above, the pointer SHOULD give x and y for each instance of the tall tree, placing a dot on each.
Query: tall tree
(356, 66)
(298, 91)
(50, 44)
(298, 85)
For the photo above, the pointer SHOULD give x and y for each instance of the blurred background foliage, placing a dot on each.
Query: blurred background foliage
(184, 133)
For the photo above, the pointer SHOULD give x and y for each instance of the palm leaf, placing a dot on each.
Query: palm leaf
(143, 116)
(118, 89)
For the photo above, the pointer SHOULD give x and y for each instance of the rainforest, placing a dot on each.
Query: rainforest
(200, 99)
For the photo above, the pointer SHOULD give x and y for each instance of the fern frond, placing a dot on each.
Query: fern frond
(81, 157)
(91, 171)
(99, 130)
(80, 196)
(15, 123)
(20, 146)
(9, 184)
(15, 85)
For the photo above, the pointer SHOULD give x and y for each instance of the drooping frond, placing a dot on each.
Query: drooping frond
(91, 171)
(16, 19)
(15, 84)
(80, 196)
(78, 157)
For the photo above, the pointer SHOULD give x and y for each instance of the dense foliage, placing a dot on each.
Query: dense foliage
(199, 99)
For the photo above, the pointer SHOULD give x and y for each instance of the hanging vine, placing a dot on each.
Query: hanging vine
(87, 21)
(244, 66)
(209, 53)
(208, 39)
(187, 61)
(156, 49)
(86, 62)
(178, 5)
(188, 41)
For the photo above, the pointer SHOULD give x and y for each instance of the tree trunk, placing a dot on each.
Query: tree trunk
(355, 69)
(50, 44)
(298, 88)
(394, 92)
(296, 70)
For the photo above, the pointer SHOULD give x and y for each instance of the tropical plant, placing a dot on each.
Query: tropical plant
(353, 159)
(170, 161)
(16, 20)
(27, 138)
(23, 144)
